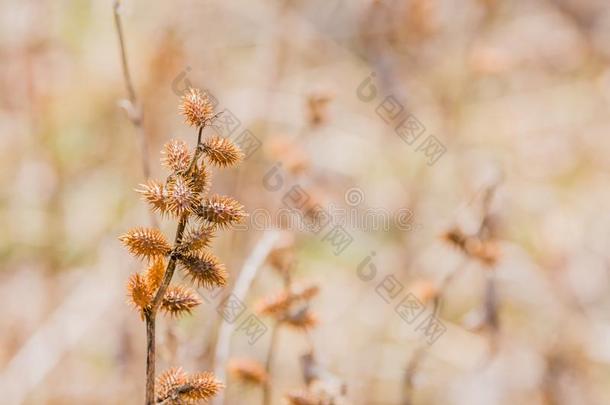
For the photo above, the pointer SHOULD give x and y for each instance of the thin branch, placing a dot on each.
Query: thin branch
(269, 362)
(132, 105)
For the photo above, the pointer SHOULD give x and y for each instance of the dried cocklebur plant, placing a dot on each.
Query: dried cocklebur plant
(184, 197)
(290, 306)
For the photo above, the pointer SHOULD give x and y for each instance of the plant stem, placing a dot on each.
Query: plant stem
(150, 357)
(268, 364)
(134, 112)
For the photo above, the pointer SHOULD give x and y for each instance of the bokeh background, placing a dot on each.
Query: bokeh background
(517, 93)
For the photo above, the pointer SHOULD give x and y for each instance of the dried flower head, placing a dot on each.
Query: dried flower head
(168, 385)
(274, 305)
(148, 243)
(179, 300)
(279, 303)
(221, 211)
(138, 291)
(176, 155)
(196, 108)
(248, 371)
(201, 387)
(222, 152)
(155, 273)
(197, 239)
(205, 270)
(200, 179)
(175, 387)
(156, 195)
(182, 196)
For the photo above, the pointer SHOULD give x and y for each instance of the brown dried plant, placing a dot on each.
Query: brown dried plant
(290, 306)
(183, 196)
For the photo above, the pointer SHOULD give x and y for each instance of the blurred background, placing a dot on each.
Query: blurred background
(478, 127)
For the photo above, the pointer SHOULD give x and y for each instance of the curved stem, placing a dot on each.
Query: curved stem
(269, 363)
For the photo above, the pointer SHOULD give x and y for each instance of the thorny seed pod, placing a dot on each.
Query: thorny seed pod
(148, 243)
(168, 385)
(182, 196)
(248, 371)
(221, 211)
(197, 239)
(200, 387)
(179, 301)
(175, 387)
(156, 195)
(138, 291)
(196, 108)
(155, 273)
(200, 179)
(176, 155)
(222, 152)
(205, 270)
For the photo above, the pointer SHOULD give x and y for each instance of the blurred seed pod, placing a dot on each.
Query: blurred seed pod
(248, 371)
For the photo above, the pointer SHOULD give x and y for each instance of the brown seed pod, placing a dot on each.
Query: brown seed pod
(200, 179)
(179, 300)
(197, 239)
(248, 371)
(175, 387)
(196, 108)
(176, 155)
(205, 270)
(148, 243)
(222, 152)
(155, 273)
(221, 211)
(201, 387)
(182, 196)
(156, 195)
(168, 386)
(138, 291)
